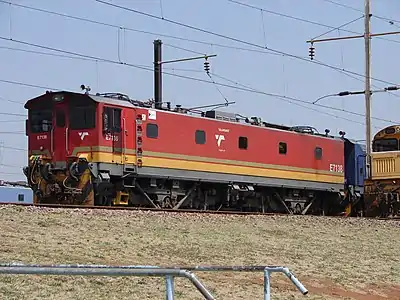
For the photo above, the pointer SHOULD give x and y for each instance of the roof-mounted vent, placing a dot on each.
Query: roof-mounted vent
(221, 115)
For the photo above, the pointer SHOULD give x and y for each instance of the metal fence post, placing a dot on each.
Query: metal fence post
(169, 284)
(267, 286)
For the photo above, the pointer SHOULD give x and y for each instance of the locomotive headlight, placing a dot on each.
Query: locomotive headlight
(58, 98)
(41, 148)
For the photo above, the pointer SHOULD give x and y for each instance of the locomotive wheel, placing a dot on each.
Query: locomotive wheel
(297, 209)
(166, 202)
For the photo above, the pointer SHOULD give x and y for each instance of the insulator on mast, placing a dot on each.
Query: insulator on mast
(312, 52)
(207, 67)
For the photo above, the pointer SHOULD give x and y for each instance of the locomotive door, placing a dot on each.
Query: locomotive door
(112, 120)
(360, 172)
(59, 139)
(117, 137)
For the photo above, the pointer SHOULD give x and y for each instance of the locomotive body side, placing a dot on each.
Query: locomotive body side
(179, 151)
(223, 151)
(290, 169)
(132, 155)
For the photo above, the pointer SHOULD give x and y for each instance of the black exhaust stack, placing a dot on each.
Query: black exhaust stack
(157, 75)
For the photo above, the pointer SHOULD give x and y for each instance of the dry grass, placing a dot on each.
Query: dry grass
(334, 258)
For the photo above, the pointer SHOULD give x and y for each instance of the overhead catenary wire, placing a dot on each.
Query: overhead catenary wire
(131, 64)
(236, 39)
(340, 70)
(92, 59)
(12, 114)
(182, 48)
(12, 121)
(148, 68)
(9, 166)
(13, 148)
(279, 14)
(161, 9)
(10, 173)
(266, 50)
(388, 20)
(361, 11)
(282, 97)
(298, 104)
(219, 91)
(9, 100)
(166, 68)
(344, 5)
(12, 132)
(180, 76)
(27, 84)
(333, 28)
(133, 29)
(45, 53)
(291, 100)
(341, 28)
(319, 111)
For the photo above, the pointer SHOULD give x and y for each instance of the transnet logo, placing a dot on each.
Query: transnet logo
(219, 138)
(83, 134)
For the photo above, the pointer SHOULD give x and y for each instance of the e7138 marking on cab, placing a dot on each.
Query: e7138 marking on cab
(336, 168)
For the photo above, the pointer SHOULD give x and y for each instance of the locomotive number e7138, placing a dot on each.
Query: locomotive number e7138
(336, 168)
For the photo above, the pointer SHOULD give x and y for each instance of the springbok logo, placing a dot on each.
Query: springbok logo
(219, 138)
(83, 134)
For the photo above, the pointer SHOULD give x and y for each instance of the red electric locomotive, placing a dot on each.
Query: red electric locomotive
(111, 150)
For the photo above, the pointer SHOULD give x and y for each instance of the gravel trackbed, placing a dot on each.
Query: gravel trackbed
(335, 258)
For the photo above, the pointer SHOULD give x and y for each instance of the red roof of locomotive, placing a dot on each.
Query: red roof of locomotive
(122, 100)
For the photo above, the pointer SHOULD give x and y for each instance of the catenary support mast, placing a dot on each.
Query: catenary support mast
(368, 95)
(367, 38)
(157, 74)
(158, 62)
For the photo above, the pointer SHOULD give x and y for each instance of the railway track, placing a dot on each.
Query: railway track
(187, 211)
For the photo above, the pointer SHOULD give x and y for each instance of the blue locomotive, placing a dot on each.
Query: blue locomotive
(355, 175)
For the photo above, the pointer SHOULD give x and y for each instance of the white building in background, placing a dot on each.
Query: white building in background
(15, 192)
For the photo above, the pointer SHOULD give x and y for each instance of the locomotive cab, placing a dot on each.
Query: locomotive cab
(58, 125)
(63, 119)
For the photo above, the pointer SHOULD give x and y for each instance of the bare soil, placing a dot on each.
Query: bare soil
(334, 258)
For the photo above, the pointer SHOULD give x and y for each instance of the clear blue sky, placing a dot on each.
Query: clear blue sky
(262, 71)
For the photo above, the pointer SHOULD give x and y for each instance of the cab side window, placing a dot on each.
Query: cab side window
(200, 137)
(318, 153)
(40, 121)
(111, 119)
(82, 117)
